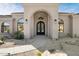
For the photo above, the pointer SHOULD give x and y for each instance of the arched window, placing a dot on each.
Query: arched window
(20, 24)
(61, 26)
(5, 27)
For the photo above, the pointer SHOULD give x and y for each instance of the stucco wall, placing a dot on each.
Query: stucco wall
(8, 20)
(76, 25)
(51, 9)
(67, 24)
(70, 23)
(15, 18)
(11, 20)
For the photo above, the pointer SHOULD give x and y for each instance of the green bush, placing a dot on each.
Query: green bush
(1, 42)
(75, 35)
(18, 35)
(39, 53)
(2, 39)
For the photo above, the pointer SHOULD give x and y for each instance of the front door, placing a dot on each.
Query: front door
(40, 28)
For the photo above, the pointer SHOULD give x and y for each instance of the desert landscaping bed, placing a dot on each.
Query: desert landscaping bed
(28, 53)
(38, 53)
(12, 43)
(7, 45)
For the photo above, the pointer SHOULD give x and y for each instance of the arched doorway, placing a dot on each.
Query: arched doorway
(20, 25)
(40, 28)
(61, 28)
(5, 27)
(41, 23)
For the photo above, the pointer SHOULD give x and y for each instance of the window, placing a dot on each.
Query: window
(5, 27)
(61, 26)
(20, 25)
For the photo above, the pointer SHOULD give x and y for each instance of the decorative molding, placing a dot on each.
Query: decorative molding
(41, 18)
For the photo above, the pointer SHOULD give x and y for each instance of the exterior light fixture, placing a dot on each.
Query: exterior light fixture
(55, 20)
(25, 19)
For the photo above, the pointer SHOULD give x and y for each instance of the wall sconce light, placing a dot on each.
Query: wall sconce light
(25, 19)
(55, 20)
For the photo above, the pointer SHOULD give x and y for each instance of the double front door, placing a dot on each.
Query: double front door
(40, 28)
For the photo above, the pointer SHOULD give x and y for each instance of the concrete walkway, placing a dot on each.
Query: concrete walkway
(18, 49)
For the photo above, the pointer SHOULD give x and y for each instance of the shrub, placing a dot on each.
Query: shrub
(2, 39)
(18, 35)
(1, 42)
(52, 50)
(75, 35)
(39, 53)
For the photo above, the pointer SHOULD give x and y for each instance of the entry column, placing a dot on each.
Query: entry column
(27, 34)
(28, 21)
(0, 27)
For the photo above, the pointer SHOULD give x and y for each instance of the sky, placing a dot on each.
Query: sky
(8, 8)
(69, 7)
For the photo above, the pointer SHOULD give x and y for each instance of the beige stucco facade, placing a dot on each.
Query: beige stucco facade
(68, 24)
(48, 15)
(11, 20)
